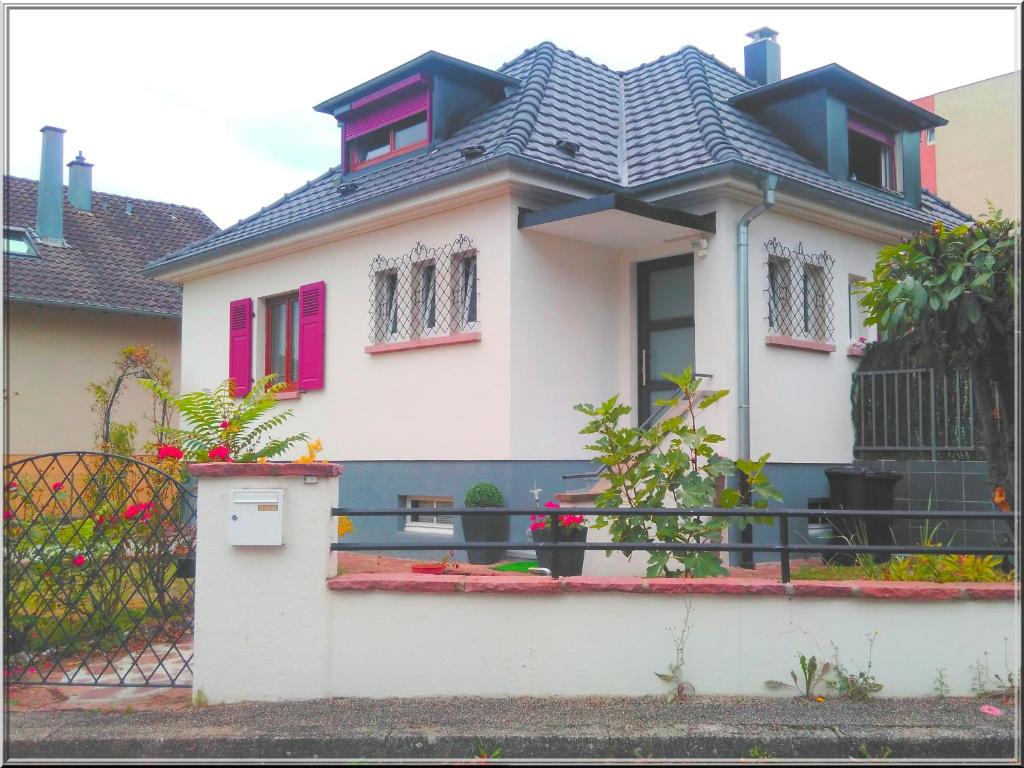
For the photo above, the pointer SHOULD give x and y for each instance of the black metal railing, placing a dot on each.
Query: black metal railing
(784, 548)
(915, 413)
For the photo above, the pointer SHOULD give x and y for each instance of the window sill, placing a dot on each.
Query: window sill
(854, 351)
(433, 341)
(288, 394)
(794, 343)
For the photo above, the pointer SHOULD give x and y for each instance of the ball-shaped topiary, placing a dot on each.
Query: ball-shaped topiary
(484, 495)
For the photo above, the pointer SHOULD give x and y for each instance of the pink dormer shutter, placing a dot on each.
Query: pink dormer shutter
(398, 107)
(240, 346)
(312, 313)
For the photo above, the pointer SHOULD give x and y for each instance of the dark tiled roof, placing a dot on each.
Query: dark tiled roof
(106, 250)
(644, 125)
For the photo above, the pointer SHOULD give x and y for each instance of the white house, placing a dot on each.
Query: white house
(497, 246)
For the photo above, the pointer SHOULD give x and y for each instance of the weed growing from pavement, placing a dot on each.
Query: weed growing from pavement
(863, 752)
(674, 676)
(482, 752)
(986, 683)
(858, 687)
(813, 673)
(760, 753)
(941, 686)
(199, 699)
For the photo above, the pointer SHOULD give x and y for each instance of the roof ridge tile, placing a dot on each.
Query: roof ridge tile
(709, 120)
(531, 95)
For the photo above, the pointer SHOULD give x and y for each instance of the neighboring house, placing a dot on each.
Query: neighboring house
(74, 296)
(497, 246)
(976, 158)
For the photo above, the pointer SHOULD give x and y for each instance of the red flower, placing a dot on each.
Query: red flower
(225, 424)
(131, 512)
(79, 560)
(8, 514)
(169, 452)
(552, 505)
(100, 519)
(220, 453)
(12, 486)
(57, 486)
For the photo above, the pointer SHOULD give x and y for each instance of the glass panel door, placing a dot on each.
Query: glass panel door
(665, 325)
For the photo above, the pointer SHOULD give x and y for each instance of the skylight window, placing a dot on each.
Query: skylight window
(18, 243)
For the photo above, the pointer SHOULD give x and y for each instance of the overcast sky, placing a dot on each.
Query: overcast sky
(213, 108)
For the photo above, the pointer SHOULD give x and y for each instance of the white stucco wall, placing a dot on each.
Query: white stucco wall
(54, 353)
(447, 402)
(558, 320)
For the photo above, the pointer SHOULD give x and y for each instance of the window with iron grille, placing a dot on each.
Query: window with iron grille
(800, 300)
(427, 292)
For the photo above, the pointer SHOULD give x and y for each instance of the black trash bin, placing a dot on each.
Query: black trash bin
(879, 488)
(857, 488)
(846, 490)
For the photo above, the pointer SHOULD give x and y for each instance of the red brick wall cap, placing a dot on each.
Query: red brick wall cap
(270, 469)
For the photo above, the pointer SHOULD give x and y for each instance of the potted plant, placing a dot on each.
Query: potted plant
(571, 528)
(480, 526)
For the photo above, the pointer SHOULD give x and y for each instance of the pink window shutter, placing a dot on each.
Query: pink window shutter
(312, 328)
(240, 346)
(396, 108)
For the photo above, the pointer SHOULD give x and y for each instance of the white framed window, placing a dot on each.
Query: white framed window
(857, 314)
(426, 321)
(386, 302)
(929, 136)
(815, 300)
(425, 518)
(17, 242)
(779, 295)
(468, 290)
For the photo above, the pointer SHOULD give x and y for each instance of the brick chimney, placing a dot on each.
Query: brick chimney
(50, 197)
(80, 183)
(762, 59)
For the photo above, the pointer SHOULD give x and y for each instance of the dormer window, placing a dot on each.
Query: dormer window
(18, 243)
(872, 155)
(386, 123)
(396, 139)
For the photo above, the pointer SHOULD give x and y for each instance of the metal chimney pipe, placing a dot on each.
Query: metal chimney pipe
(80, 183)
(50, 196)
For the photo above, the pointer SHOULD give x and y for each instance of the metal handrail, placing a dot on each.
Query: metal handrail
(783, 548)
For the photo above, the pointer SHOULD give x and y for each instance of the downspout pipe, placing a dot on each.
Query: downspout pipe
(768, 185)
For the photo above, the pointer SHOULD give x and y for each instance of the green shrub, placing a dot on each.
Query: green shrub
(484, 495)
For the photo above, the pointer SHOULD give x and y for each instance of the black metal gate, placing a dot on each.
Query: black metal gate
(99, 554)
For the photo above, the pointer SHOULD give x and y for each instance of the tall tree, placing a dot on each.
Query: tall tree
(950, 297)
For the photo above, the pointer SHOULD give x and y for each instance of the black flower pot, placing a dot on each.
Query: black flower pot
(563, 563)
(478, 525)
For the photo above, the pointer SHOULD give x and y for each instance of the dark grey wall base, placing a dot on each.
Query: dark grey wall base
(371, 484)
(947, 486)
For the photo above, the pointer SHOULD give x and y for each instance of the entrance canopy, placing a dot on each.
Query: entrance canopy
(616, 220)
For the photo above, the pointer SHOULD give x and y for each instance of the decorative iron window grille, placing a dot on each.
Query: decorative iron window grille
(800, 300)
(427, 292)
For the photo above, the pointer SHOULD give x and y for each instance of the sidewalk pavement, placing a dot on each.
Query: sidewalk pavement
(593, 728)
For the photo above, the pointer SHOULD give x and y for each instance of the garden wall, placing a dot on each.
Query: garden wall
(271, 623)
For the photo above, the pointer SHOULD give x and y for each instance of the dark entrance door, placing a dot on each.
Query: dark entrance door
(665, 326)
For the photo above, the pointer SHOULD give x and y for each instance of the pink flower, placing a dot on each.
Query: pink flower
(131, 512)
(552, 505)
(8, 514)
(225, 424)
(990, 709)
(12, 486)
(57, 486)
(79, 560)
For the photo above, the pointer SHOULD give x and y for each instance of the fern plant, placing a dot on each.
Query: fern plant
(223, 427)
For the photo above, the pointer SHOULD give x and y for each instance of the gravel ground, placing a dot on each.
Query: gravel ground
(700, 727)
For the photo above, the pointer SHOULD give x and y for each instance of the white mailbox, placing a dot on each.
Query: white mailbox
(256, 518)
